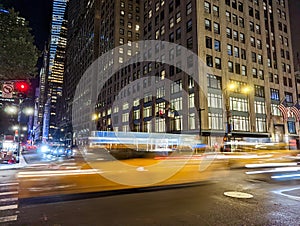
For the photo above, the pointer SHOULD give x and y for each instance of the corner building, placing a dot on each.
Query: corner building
(245, 44)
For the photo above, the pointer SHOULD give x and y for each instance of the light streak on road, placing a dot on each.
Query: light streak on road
(54, 173)
(276, 170)
(277, 164)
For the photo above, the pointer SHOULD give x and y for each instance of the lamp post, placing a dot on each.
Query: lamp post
(200, 121)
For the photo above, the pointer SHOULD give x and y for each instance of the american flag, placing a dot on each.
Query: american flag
(296, 110)
(284, 109)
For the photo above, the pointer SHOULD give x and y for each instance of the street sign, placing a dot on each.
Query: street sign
(7, 90)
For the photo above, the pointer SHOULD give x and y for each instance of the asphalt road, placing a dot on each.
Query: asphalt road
(273, 203)
(201, 204)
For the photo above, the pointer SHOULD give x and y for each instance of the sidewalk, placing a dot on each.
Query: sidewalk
(19, 165)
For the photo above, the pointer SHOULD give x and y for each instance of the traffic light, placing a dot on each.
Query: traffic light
(21, 88)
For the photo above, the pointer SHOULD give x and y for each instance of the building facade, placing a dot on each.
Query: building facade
(245, 45)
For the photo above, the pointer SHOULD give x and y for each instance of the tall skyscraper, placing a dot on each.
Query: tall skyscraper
(57, 44)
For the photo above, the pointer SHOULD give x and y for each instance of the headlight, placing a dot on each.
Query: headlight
(44, 148)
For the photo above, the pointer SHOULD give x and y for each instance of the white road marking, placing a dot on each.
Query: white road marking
(8, 184)
(9, 193)
(9, 200)
(8, 218)
(8, 207)
(280, 192)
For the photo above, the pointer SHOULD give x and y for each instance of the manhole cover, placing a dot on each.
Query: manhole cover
(237, 194)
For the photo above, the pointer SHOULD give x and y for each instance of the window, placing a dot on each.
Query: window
(192, 121)
(217, 45)
(171, 6)
(229, 49)
(230, 66)
(253, 56)
(214, 81)
(234, 5)
(237, 68)
(259, 107)
(261, 74)
(171, 37)
(234, 19)
(189, 43)
(178, 33)
(291, 127)
(178, 17)
(285, 81)
(259, 91)
(189, 26)
(218, 63)
(251, 11)
(252, 41)
(171, 22)
(290, 82)
(271, 77)
(191, 100)
(274, 94)
(238, 104)
(209, 60)
(254, 72)
(228, 16)
(206, 7)
(207, 24)
(177, 103)
(214, 100)
(243, 54)
(242, 38)
(275, 110)
(235, 36)
(244, 70)
(259, 59)
(241, 22)
(288, 97)
(261, 125)
(240, 7)
(257, 28)
(215, 121)
(257, 16)
(251, 24)
(189, 8)
(216, 11)
(258, 44)
(276, 79)
(236, 52)
(216, 28)
(228, 33)
(208, 42)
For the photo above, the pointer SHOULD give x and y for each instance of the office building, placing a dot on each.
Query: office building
(246, 47)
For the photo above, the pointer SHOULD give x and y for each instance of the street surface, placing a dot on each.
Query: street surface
(50, 199)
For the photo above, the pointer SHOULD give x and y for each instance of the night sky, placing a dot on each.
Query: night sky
(38, 13)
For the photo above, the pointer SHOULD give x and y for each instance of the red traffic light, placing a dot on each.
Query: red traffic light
(21, 86)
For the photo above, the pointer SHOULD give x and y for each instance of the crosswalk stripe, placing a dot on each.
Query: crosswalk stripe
(8, 200)
(8, 193)
(9, 184)
(8, 207)
(8, 218)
